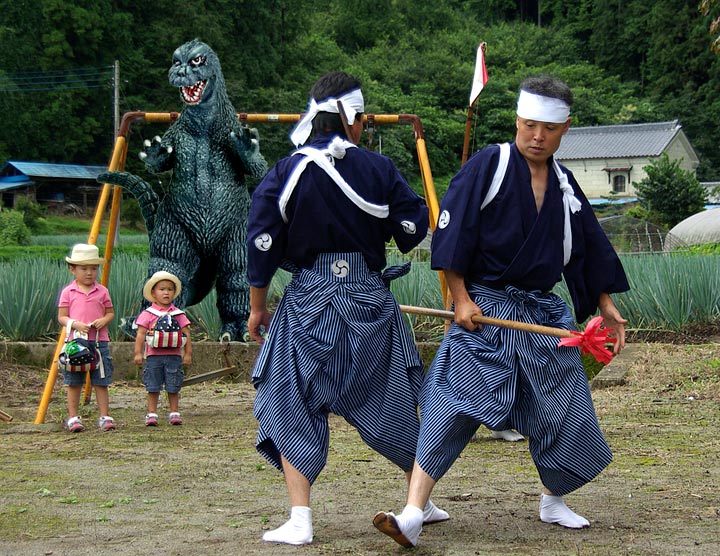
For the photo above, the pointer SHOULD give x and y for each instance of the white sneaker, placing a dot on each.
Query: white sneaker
(74, 424)
(507, 435)
(106, 423)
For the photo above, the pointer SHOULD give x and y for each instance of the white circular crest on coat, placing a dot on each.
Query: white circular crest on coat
(340, 268)
(263, 242)
(408, 227)
(444, 219)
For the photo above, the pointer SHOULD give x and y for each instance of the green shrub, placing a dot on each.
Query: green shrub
(59, 251)
(13, 230)
(705, 249)
(34, 215)
(131, 215)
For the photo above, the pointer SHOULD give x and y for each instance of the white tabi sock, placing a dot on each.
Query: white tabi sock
(410, 522)
(297, 530)
(404, 529)
(554, 510)
(433, 514)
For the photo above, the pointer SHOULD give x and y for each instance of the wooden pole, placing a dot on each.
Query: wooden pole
(466, 139)
(481, 319)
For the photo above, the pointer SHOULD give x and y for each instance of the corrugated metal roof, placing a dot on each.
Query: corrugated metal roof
(617, 141)
(12, 182)
(48, 170)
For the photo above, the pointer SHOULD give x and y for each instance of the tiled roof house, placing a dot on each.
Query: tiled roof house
(610, 158)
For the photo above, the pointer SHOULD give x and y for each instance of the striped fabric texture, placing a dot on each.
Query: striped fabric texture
(505, 378)
(338, 343)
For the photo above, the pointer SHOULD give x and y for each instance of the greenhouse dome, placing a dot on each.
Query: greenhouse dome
(703, 227)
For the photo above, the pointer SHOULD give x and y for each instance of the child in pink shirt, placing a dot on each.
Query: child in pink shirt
(164, 351)
(86, 306)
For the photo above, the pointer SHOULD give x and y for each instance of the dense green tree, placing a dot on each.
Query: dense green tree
(626, 60)
(669, 194)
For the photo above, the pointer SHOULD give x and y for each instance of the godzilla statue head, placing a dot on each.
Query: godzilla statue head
(196, 72)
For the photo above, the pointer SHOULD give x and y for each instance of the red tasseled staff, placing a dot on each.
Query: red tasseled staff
(592, 340)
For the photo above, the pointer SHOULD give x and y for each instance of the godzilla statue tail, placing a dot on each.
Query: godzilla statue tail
(140, 189)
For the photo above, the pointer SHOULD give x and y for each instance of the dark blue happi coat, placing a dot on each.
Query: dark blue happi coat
(338, 342)
(511, 257)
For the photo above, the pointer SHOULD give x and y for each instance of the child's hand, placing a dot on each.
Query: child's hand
(187, 359)
(138, 360)
(81, 326)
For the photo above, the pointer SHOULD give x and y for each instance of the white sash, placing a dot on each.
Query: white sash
(570, 202)
(336, 149)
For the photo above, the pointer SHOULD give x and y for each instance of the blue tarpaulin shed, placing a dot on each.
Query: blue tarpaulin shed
(49, 183)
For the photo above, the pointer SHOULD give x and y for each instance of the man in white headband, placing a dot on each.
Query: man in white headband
(338, 342)
(512, 223)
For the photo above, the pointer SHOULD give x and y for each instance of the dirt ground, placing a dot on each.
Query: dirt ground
(201, 489)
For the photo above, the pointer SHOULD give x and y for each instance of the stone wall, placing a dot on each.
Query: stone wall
(207, 357)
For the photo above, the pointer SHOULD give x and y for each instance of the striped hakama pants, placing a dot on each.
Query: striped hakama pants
(338, 343)
(505, 378)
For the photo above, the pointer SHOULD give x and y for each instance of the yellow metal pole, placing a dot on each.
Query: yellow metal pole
(120, 146)
(50, 382)
(116, 163)
(269, 118)
(428, 184)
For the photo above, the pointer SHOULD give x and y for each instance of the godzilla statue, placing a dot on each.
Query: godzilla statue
(198, 229)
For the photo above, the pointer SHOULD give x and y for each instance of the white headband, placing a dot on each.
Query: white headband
(352, 103)
(542, 109)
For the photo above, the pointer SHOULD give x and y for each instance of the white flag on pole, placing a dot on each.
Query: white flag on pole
(481, 76)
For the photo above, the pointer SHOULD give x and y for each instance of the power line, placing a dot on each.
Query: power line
(79, 78)
(53, 75)
(56, 88)
(58, 72)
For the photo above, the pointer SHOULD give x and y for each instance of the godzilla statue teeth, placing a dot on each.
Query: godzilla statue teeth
(193, 94)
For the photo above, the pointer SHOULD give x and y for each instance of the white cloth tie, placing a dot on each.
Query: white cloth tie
(570, 204)
(541, 108)
(337, 149)
(352, 104)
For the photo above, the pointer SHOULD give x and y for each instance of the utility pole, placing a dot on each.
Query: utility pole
(116, 98)
(539, 23)
(116, 121)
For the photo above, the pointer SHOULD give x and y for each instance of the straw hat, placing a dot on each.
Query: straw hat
(157, 277)
(83, 253)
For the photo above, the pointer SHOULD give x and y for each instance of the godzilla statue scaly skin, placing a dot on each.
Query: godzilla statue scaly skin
(198, 229)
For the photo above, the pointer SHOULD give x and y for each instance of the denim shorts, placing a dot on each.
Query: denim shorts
(78, 379)
(163, 369)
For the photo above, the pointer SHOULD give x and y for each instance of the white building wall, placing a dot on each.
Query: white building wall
(593, 178)
(677, 149)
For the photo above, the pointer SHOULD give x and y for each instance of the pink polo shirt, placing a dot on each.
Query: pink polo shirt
(146, 319)
(87, 307)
